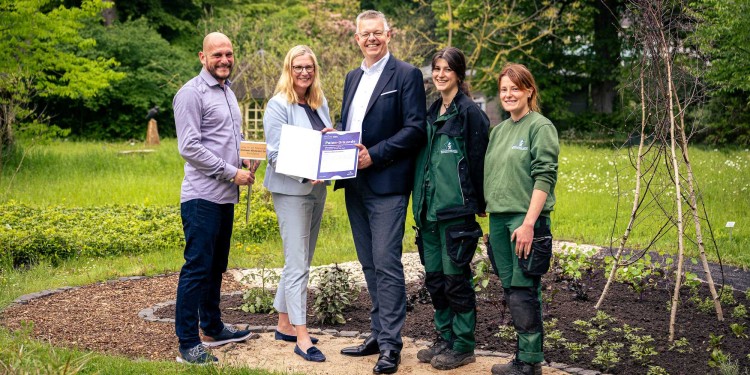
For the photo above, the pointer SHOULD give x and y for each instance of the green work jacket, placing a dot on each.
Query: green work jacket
(448, 182)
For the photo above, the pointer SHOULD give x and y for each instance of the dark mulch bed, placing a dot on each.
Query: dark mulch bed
(649, 313)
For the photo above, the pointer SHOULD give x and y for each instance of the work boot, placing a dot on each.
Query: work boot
(516, 367)
(426, 355)
(450, 359)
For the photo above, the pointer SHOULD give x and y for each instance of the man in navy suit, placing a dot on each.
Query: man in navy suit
(384, 99)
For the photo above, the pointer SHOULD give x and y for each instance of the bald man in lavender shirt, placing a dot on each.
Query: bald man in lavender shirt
(208, 121)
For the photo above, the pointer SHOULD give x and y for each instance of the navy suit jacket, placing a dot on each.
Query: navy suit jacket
(393, 129)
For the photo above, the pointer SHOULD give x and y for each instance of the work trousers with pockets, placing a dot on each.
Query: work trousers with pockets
(523, 294)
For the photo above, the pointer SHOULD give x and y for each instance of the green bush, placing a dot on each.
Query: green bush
(336, 292)
(29, 235)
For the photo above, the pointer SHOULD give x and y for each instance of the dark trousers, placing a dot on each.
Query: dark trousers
(377, 223)
(208, 231)
(450, 286)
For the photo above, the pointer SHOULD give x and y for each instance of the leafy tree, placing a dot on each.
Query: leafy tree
(721, 36)
(153, 71)
(38, 58)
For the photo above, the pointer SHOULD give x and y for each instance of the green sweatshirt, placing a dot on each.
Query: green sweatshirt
(521, 156)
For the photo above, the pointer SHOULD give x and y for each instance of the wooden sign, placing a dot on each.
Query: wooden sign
(253, 150)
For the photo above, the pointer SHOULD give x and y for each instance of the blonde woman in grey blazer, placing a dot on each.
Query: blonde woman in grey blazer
(298, 202)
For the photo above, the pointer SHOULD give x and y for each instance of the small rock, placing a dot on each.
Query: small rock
(350, 334)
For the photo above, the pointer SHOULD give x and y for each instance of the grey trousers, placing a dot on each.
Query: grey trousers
(378, 229)
(299, 219)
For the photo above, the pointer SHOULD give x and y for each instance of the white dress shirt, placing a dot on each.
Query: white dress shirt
(364, 91)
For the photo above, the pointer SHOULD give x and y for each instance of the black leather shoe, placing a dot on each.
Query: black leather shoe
(369, 347)
(387, 362)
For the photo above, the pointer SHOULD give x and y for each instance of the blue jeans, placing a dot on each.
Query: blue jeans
(208, 231)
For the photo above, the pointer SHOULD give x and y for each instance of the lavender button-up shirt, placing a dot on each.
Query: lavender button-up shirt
(208, 118)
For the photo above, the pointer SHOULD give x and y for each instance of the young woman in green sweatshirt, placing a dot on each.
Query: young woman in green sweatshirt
(520, 172)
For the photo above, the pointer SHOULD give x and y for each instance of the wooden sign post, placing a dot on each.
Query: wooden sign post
(252, 151)
(152, 134)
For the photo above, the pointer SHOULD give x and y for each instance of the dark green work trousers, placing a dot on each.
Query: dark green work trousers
(523, 294)
(450, 286)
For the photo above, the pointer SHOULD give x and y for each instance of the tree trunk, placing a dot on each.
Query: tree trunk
(636, 197)
(666, 56)
(696, 216)
(606, 63)
(109, 14)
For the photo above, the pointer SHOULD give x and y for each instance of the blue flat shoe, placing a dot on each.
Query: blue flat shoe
(312, 355)
(291, 338)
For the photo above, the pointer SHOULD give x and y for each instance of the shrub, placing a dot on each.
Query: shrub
(30, 235)
(335, 293)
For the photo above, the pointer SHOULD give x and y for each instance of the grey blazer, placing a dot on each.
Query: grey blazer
(279, 112)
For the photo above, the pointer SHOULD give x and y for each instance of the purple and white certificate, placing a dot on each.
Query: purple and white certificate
(314, 155)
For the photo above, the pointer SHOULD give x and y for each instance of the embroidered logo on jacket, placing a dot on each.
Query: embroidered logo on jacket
(520, 146)
(448, 148)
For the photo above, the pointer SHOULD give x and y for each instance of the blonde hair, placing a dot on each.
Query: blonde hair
(314, 95)
(520, 75)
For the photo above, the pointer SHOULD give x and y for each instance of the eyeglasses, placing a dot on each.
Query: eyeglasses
(366, 35)
(308, 68)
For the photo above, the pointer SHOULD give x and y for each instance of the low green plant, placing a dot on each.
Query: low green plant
(259, 300)
(739, 312)
(714, 342)
(602, 319)
(506, 332)
(582, 325)
(730, 367)
(717, 358)
(705, 305)
(553, 338)
(747, 294)
(641, 348)
(482, 272)
(692, 282)
(738, 330)
(656, 370)
(336, 291)
(593, 334)
(681, 345)
(572, 265)
(726, 296)
(641, 275)
(575, 349)
(606, 354)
